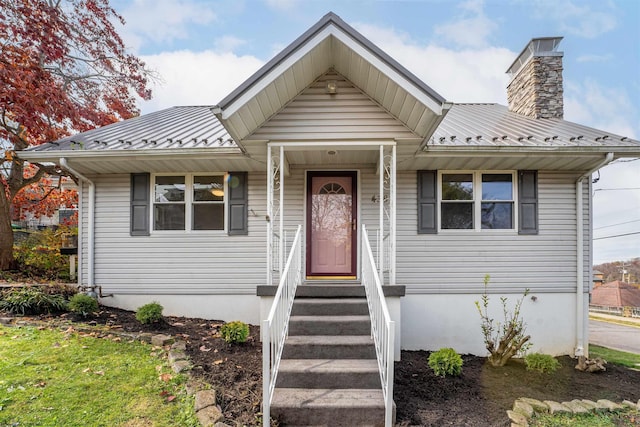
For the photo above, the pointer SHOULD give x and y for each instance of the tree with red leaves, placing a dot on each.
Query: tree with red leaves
(63, 69)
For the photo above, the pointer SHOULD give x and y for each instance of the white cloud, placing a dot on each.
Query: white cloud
(466, 75)
(196, 78)
(161, 21)
(606, 108)
(228, 43)
(595, 58)
(578, 20)
(471, 29)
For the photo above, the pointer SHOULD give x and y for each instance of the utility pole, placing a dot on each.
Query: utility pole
(624, 272)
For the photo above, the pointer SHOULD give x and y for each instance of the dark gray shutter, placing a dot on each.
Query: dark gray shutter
(238, 204)
(528, 202)
(140, 204)
(427, 202)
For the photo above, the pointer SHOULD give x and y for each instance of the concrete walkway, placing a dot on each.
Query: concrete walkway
(605, 333)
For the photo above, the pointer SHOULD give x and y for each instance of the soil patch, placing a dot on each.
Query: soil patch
(479, 397)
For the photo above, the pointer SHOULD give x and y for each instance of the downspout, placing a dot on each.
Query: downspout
(579, 350)
(91, 225)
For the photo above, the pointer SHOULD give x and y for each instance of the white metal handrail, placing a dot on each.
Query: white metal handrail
(382, 327)
(616, 311)
(276, 326)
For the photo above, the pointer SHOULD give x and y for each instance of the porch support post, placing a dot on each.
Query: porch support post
(381, 213)
(392, 219)
(281, 212)
(269, 216)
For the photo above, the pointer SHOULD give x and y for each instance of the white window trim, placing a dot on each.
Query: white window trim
(188, 201)
(477, 201)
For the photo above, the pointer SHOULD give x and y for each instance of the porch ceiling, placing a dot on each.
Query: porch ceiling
(331, 43)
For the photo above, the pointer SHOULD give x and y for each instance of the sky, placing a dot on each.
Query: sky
(203, 49)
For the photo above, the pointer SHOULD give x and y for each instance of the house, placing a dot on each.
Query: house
(616, 294)
(598, 278)
(196, 206)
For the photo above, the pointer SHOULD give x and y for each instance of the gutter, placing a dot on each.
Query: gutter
(580, 321)
(91, 225)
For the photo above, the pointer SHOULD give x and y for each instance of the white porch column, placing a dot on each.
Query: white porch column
(269, 216)
(381, 175)
(392, 219)
(281, 212)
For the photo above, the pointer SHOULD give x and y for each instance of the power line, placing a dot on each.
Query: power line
(616, 189)
(617, 235)
(613, 225)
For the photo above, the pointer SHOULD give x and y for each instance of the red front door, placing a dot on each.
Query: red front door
(331, 224)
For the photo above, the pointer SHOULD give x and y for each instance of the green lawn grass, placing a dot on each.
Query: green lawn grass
(629, 360)
(56, 378)
(627, 417)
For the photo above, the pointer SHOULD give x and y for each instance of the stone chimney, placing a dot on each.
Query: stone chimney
(535, 89)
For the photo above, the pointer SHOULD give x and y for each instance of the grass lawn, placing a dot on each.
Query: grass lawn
(627, 417)
(55, 378)
(630, 360)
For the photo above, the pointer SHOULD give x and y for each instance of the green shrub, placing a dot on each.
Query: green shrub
(31, 300)
(235, 332)
(505, 339)
(542, 363)
(83, 305)
(149, 313)
(38, 254)
(445, 361)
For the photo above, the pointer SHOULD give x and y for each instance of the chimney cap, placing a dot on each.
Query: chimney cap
(540, 46)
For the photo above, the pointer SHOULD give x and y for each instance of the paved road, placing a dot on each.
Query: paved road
(619, 337)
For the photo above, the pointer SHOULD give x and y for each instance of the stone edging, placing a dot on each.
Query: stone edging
(525, 408)
(208, 413)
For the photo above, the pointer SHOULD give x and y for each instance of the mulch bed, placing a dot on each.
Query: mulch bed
(479, 397)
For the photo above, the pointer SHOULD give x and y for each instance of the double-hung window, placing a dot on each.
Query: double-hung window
(477, 200)
(188, 202)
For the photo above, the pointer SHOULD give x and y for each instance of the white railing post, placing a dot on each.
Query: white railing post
(276, 327)
(382, 327)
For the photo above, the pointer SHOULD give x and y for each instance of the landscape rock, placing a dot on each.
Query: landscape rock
(161, 340)
(205, 398)
(180, 365)
(537, 405)
(179, 345)
(175, 355)
(557, 408)
(576, 407)
(209, 416)
(591, 365)
(523, 408)
(609, 405)
(518, 418)
(5, 320)
(145, 336)
(630, 404)
(590, 404)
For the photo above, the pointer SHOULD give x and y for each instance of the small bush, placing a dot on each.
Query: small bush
(445, 361)
(83, 305)
(235, 332)
(149, 313)
(505, 339)
(542, 363)
(31, 300)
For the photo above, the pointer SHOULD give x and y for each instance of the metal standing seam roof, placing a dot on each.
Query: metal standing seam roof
(176, 127)
(493, 125)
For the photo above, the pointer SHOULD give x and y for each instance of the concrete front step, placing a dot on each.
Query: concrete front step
(329, 325)
(329, 347)
(330, 307)
(329, 373)
(333, 407)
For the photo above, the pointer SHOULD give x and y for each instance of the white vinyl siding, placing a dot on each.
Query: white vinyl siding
(173, 263)
(457, 262)
(348, 115)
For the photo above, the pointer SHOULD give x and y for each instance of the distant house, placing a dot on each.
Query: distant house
(195, 206)
(598, 278)
(63, 215)
(616, 294)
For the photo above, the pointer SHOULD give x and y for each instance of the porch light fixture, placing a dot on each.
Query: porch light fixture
(332, 87)
(217, 191)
